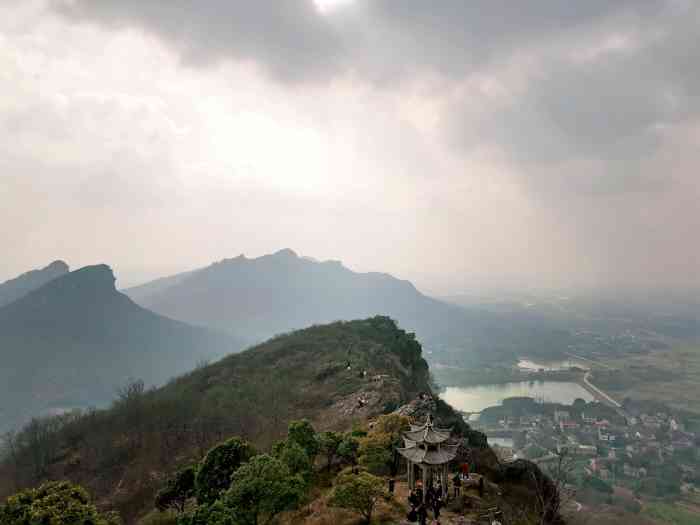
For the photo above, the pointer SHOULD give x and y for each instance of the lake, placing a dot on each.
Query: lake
(476, 398)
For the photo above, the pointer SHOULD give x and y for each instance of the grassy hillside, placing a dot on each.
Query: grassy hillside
(123, 454)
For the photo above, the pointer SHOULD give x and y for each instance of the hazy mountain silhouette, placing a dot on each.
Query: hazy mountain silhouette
(20, 286)
(260, 297)
(73, 341)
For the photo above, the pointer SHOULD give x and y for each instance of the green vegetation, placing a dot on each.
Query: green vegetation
(670, 514)
(215, 471)
(358, 492)
(253, 394)
(262, 489)
(179, 489)
(54, 503)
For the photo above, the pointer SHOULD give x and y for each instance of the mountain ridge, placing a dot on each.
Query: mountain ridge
(283, 291)
(73, 341)
(19, 286)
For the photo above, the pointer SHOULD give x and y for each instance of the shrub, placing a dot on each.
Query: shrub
(54, 503)
(178, 490)
(358, 492)
(261, 489)
(214, 473)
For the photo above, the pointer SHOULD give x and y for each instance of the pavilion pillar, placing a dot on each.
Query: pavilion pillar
(425, 484)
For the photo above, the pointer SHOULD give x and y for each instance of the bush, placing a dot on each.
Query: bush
(261, 489)
(294, 458)
(178, 490)
(358, 492)
(304, 434)
(214, 473)
(54, 503)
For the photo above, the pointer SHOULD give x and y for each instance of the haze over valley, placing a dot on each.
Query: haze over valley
(342, 261)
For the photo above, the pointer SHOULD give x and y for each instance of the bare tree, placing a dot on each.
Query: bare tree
(553, 487)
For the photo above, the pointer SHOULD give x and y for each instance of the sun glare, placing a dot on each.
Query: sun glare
(326, 6)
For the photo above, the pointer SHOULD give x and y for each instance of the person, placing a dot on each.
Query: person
(422, 514)
(392, 482)
(412, 515)
(429, 495)
(419, 494)
(465, 470)
(457, 483)
(481, 487)
(437, 505)
(413, 499)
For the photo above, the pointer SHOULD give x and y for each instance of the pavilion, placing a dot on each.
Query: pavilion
(428, 454)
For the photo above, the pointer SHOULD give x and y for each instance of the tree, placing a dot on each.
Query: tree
(375, 454)
(552, 487)
(178, 490)
(215, 514)
(294, 457)
(261, 489)
(348, 448)
(358, 492)
(304, 434)
(54, 503)
(214, 472)
(329, 443)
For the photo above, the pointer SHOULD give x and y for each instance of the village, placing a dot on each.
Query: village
(647, 450)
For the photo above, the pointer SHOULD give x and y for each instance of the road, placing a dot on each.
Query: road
(597, 392)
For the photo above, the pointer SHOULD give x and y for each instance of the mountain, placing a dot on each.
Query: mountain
(73, 341)
(257, 298)
(338, 375)
(20, 286)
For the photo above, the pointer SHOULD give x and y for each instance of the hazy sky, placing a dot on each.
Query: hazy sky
(457, 144)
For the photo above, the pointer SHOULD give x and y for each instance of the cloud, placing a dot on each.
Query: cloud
(290, 38)
(548, 142)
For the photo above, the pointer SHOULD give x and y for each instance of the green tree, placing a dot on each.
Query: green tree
(261, 489)
(329, 443)
(54, 503)
(348, 448)
(215, 514)
(178, 490)
(294, 457)
(304, 434)
(214, 472)
(359, 493)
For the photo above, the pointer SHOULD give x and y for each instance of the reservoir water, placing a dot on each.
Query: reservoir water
(476, 398)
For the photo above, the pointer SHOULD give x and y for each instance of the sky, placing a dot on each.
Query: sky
(461, 145)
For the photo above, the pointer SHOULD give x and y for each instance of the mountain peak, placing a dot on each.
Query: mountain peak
(58, 265)
(20, 286)
(285, 253)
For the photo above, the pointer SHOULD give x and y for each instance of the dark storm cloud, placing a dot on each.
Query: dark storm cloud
(289, 37)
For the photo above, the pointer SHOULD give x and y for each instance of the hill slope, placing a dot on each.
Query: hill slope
(122, 454)
(20, 286)
(73, 341)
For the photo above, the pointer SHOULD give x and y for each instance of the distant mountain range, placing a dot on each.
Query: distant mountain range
(20, 286)
(74, 340)
(257, 298)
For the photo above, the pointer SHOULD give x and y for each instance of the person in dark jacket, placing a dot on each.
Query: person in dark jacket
(422, 515)
(457, 483)
(437, 505)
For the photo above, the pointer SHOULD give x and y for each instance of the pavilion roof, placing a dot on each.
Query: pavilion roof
(417, 454)
(427, 433)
